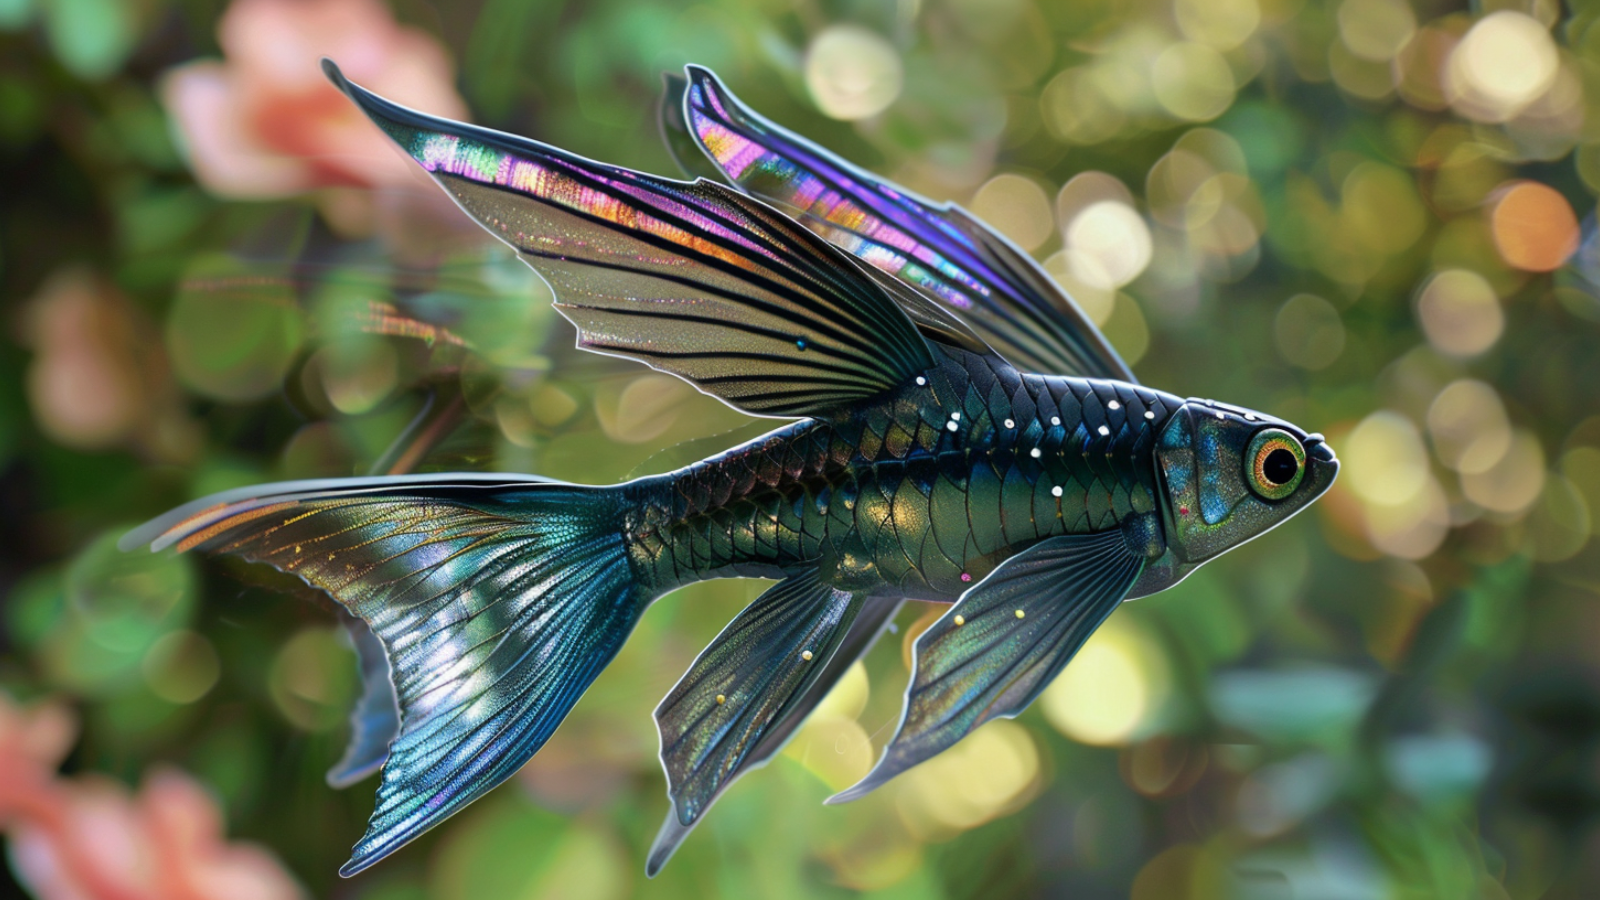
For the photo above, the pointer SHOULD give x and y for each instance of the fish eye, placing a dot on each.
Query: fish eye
(1276, 463)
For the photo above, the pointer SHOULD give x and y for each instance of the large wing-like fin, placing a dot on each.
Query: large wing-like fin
(691, 278)
(1013, 305)
(1018, 628)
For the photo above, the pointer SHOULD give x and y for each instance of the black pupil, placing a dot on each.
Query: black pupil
(1279, 466)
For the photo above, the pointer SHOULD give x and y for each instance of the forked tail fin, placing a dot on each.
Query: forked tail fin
(497, 601)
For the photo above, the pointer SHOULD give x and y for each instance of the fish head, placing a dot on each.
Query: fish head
(1231, 474)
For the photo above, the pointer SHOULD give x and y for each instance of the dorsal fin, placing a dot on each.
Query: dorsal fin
(691, 278)
(1010, 302)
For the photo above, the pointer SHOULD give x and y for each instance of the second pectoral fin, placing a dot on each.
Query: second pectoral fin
(1018, 628)
(719, 719)
(858, 638)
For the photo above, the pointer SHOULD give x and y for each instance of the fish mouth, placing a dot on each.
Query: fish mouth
(1317, 448)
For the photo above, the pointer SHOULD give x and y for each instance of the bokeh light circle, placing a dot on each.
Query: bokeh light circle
(852, 73)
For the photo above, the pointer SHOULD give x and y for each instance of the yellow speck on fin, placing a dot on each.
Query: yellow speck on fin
(1021, 614)
(960, 621)
(721, 699)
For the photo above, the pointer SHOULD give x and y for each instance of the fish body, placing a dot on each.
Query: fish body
(962, 434)
(919, 494)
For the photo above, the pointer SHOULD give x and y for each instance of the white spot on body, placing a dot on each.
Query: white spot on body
(1034, 453)
(1055, 491)
(956, 416)
(921, 381)
(1149, 414)
(1104, 431)
(1113, 405)
(1055, 420)
(1010, 423)
(951, 425)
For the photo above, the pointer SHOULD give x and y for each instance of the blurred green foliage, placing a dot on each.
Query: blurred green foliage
(1371, 217)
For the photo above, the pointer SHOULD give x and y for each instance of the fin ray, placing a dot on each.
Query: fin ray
(940, 249)
(662, 271)
(751, 688)
(996, 662)
(496, 600)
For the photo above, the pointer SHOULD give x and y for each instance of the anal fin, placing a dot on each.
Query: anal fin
(759, 669)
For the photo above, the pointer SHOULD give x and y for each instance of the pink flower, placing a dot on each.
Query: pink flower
(266, 123)
(98, 377)
(33, 742)
(89, 839)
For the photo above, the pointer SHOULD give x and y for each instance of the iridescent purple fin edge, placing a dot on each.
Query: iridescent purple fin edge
(938, 248)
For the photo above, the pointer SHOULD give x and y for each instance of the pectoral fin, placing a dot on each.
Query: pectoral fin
(695, 279)
(1019, 627)
(749, 690)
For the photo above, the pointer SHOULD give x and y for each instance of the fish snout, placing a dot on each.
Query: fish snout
(1317, 449)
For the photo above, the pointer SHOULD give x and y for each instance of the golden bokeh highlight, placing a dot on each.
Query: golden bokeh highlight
(1076, 108)
(1502, 65)
(1403, 508)
(1534, 226)
(1127, 328)
(1376, 30)
(852, 72)
(644, 409)
(181, 666)
(1182, 872)
(1018, 207)
(312, 679)
(1096, 302)
(1308, 332)
(1384, 460)
(1580, 465)
(1381, 208)
(1515, 480)
(357, 374)
(990, 772)
(1559, 524)
(1112, 690)
(1460, 313)
(835, 749)
(1469, 427)
(1219, 24)
(1193, 82)
(1413, 529)
(1105, 242)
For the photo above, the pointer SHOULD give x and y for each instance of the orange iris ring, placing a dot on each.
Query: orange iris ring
(1263, 445)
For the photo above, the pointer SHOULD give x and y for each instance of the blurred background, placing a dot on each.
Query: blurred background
(1374, 218)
